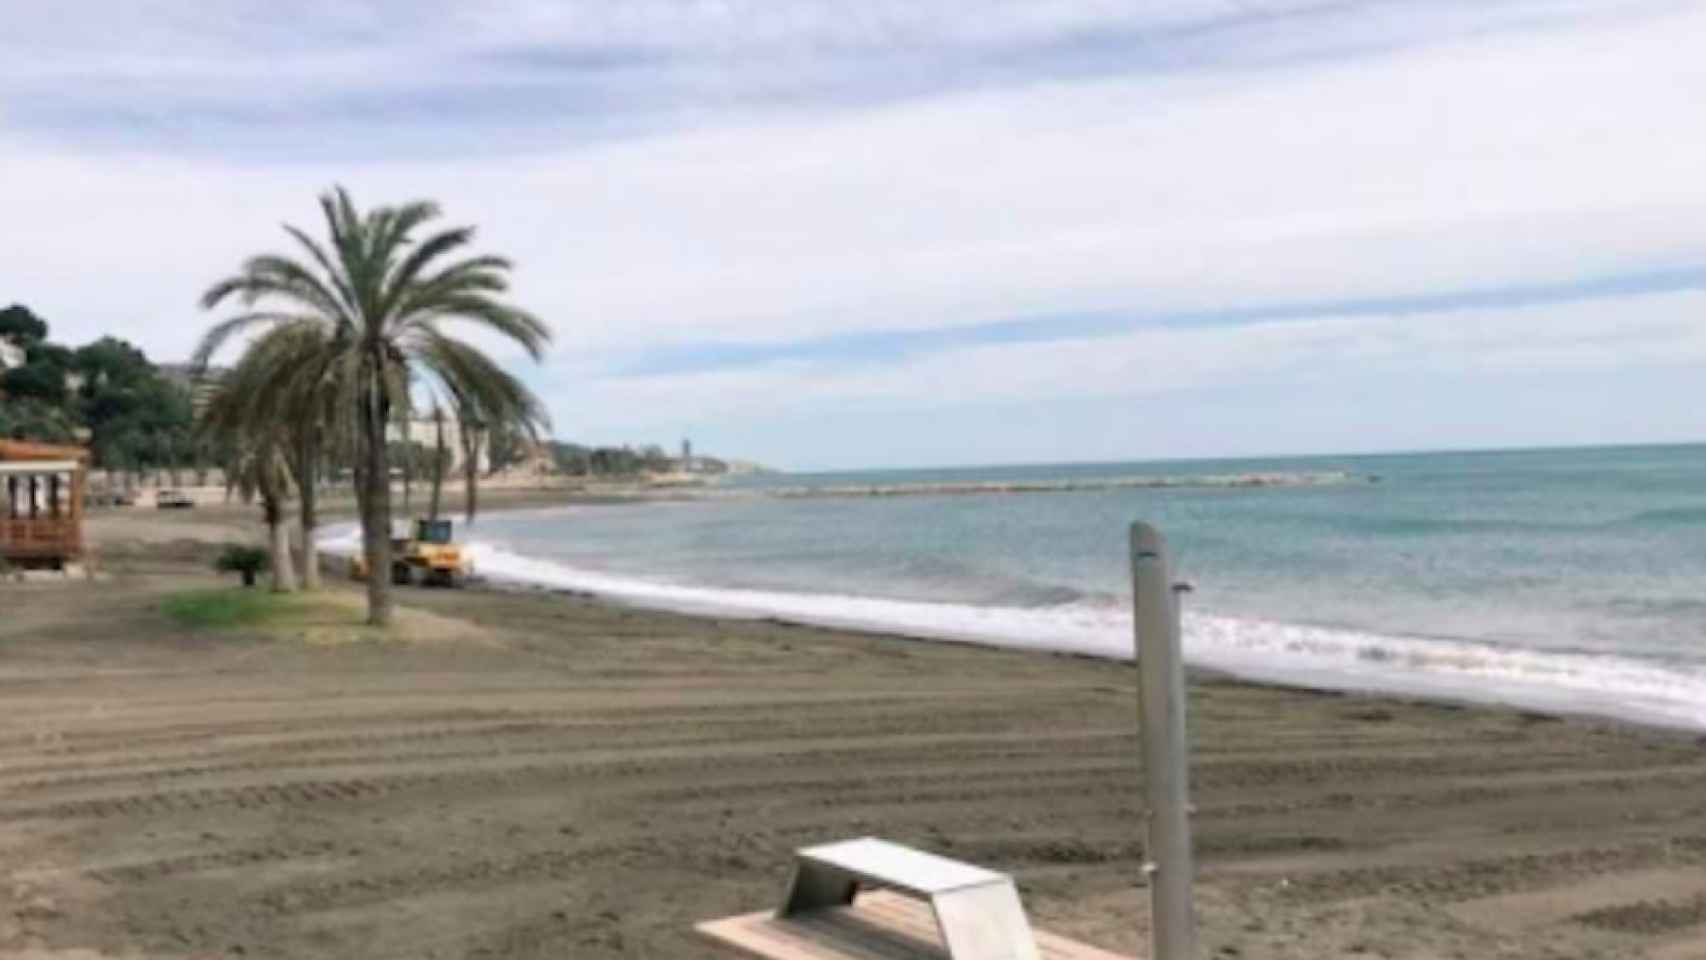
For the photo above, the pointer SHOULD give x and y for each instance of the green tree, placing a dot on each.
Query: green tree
(571, 458)
(654, 458)
(137, 419)
(32, 419)
(34, 381)
(34, 404)
(111, 362)
(43, 375)
(382, 299)
(21, 326)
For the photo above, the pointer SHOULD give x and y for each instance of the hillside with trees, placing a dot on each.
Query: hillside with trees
(577, 460)
(134, 418)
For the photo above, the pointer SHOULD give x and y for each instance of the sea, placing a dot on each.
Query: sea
(1569, 580)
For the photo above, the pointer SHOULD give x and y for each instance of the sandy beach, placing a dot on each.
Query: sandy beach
(537, 774)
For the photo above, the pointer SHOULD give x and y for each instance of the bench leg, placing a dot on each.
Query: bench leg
(815, 887)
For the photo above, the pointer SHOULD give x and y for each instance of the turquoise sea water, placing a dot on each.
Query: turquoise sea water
(1562, 579)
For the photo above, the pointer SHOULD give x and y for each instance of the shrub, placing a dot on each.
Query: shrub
(244, 560)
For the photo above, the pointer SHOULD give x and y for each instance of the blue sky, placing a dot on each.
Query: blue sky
(941, 231)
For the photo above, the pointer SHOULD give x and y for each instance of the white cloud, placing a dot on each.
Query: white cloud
(1512, 157)
(1638, 333)
(186, 39)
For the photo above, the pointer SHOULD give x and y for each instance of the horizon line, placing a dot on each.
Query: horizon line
(1223, 458)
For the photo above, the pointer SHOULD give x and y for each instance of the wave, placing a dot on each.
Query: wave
(1669, 517)
(1326, 658)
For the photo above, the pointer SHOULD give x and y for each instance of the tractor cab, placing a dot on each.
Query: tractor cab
(432, 531)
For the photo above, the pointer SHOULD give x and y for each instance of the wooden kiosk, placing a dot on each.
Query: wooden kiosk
(41, 504)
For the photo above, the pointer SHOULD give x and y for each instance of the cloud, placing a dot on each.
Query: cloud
(874, 206)
(1501, 160)
(1601, 371)
(1662, 329)
(880, 345)
(374, 79)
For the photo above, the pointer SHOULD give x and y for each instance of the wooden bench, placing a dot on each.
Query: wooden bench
(924, 907)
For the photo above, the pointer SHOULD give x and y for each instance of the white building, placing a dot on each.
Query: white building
(12, 356)
(424, 431)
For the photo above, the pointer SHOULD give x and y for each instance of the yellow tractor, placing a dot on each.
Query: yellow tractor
(430, 556)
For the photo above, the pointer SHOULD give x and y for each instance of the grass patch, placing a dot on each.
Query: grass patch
(324, 618)
(231, 607)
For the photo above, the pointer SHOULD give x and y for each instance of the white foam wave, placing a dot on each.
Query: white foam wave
(1302, 655)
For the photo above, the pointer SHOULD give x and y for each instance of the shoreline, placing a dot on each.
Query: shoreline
(1355, 678)
(1420, 668)
(1195, 671)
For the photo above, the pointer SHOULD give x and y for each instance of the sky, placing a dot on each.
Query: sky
(827, 235)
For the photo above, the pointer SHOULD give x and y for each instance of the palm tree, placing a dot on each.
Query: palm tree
(260, 473)
(470, 434)
(381, 299)
(255, 469)
(281, 386)
(405, 421)
(437, 460)
(488, 399)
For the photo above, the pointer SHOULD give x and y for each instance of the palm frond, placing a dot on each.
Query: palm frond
(334, 274)
(401, 283)
(483, 391)
(219, 333)
(516, 324)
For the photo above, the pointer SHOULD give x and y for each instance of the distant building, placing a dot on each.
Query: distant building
(12, 356)
(199, 382)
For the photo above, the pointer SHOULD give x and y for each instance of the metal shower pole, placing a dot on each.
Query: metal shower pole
(1166, 751)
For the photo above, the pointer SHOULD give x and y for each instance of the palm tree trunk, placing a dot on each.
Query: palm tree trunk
(470, 470)
(358, 470)
(283, 573)
(437, 462)
(408, 469)
(307, 485)
(376, 505)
